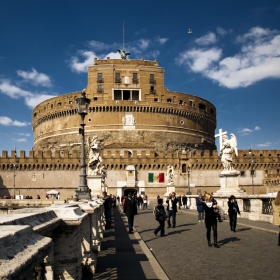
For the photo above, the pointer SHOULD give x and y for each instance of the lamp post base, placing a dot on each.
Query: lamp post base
(83, 194)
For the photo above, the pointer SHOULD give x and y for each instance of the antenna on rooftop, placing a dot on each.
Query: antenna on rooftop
(123, 52)
(123, 36)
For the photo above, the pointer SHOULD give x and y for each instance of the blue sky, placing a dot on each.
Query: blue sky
(232, 58)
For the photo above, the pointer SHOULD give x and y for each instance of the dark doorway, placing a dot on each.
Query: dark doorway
(128, 191)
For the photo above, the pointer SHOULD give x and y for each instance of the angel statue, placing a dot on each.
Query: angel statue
(170, 174)
(123, 53)
(229, 146)
(94, 159)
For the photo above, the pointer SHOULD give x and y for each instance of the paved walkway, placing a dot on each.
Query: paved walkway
(249, 253)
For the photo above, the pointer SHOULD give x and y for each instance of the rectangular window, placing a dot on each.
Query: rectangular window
(191, 103)
(152, 79)
(252, 172)
(135, 95)
(117, 78)
(242, 173)
(152, 89)
(135, 78)
(99, 88)
(123, 94)
(99, 78)
(117, 95)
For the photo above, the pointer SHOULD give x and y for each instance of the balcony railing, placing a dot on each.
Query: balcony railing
(118, 80)
(153, 82)
(100, 80)
(135, 81)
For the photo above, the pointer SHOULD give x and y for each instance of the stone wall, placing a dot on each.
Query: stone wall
(52, 243)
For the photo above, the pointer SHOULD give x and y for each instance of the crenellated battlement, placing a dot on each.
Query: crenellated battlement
(120, 158)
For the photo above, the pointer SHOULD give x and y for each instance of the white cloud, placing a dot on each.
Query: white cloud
(34, 100)
(257, 128)
(143, 44)
(162, 41)
(199, 60)
(9, 122)
(207, 39)
(35, 78)
(15, 92)
(24, 134)
(258, 59)
(84, 58)
(246, 130)
(221, 31)
(266, 144)
(21, 140)
(99, 46)
(88, 60)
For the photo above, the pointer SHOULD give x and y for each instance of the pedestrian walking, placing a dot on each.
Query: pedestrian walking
(145, 203)
(179, 201)
(139, 202)
(130, 209)
(161, 217)
(233, 209)
(211, 210)
(276, 213)
(107, 209)
(200, 208)
(185, 201)
(172, 202)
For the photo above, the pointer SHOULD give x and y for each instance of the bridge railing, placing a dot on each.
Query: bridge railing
(53, 242)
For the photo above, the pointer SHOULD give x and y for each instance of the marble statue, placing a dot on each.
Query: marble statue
(228, 148)
(95, 159)
(170, 174)
(103, 172)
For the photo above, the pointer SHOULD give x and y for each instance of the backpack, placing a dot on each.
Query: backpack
(158, 214)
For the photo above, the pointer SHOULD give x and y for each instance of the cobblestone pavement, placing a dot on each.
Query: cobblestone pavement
(247, 253)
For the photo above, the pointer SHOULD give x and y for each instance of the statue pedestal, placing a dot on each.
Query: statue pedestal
(229, 184)
(169, 189)
(94, 184)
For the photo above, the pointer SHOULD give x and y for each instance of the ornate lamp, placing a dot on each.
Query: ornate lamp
(83, 192)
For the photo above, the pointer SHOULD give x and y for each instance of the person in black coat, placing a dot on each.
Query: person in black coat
(172, 209)
(211, 210)
(233, 209)
(161, 216)
(130, 209)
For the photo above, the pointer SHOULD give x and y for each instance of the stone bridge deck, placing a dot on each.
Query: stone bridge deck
(249, 253)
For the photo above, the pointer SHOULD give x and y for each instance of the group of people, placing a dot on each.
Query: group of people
(208, 212)
(207, 207)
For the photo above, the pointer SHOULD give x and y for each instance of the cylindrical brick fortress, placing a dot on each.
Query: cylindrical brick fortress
(129, 104)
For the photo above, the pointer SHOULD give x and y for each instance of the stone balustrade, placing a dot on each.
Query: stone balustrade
(252, 207)
(54, 242)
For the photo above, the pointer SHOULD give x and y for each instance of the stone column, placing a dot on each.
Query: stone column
(67, 240)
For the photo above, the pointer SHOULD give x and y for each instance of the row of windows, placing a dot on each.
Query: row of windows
(118, 78)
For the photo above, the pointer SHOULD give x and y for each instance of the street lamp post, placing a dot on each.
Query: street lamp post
(252, 161)
(189, 187)
(14, 166)
(83, 192)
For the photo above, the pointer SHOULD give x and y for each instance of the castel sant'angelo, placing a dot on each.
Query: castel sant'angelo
(140, 126)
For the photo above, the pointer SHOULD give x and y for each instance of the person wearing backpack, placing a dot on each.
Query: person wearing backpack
(161, 216)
